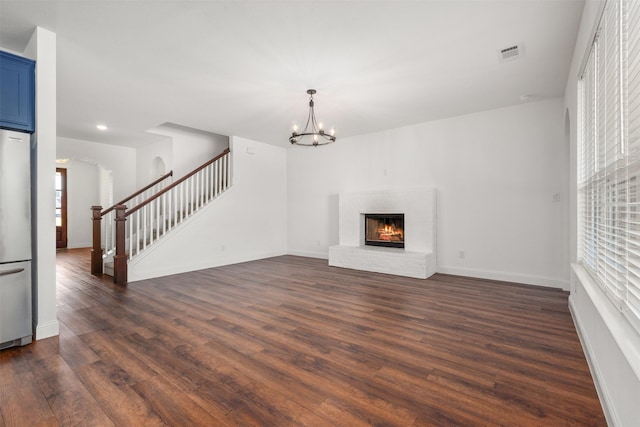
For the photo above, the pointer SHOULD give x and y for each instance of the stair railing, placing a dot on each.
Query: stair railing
(106, 229)
(160, 213)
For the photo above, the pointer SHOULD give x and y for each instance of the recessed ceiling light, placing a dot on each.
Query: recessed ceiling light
(101, 127)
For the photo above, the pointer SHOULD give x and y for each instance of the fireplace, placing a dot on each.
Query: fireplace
(384, 230)
(418, 256)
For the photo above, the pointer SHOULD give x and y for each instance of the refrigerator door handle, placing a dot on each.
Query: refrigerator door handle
(14, 271)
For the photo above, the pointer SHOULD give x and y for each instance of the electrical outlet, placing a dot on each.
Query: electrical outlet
(222, 248)
(461, 254)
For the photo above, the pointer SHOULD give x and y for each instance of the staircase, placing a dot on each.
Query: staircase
(157, 210)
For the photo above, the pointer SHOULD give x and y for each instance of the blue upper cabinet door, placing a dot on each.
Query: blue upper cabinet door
(17, 92)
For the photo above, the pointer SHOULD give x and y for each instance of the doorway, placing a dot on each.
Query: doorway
(61, 208)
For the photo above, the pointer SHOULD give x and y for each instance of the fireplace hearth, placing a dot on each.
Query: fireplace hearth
(385, 230)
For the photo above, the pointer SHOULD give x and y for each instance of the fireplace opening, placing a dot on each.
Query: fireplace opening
(384, 230)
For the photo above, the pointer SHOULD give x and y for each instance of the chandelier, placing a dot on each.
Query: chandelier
(313, 133)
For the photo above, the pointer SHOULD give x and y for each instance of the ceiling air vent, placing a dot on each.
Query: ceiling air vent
(510, 53)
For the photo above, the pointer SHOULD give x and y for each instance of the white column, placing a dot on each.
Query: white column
(42, 48)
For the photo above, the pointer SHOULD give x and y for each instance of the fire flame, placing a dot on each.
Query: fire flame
(389, 232)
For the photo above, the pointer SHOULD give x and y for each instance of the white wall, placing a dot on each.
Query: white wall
(83, 191)
(185, 149)
(496, 173)
(145, 158)
(105, 186)
(611, 345)
(121, 161)
(42, 48)
(248, 222)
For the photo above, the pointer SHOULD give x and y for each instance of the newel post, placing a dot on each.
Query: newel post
(96, 250)
(120, 259)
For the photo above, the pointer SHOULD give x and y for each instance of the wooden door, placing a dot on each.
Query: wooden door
(61, 208)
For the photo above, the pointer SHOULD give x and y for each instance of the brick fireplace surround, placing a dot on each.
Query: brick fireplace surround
(417, 259)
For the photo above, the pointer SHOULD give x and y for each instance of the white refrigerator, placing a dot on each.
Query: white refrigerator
(15, 239)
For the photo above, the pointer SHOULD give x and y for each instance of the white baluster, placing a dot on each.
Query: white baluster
(130, 237)
(198, 201)
(164, 213)
(206, 181)
(192, 197)
(224, 174)
(217, 177)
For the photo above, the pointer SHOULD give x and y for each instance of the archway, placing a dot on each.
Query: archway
(158, 167)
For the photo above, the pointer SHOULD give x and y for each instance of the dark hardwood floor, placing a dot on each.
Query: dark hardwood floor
(289, 341)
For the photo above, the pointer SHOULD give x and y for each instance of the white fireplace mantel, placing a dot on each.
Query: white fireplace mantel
(417, 259)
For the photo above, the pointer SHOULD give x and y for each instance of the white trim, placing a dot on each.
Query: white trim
(592, 38)
(505, 276)
(596, 373)
(47, 330)
(80, 245)
(310, 254)
(618, 325)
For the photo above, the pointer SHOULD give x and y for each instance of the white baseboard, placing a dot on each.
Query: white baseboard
(309, 254)
(47, 330)
(472, 272)
(79, 245)
(505, 276)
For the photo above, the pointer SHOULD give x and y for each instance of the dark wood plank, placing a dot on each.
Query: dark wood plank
(67, 396)
(175, 407)
(289, 341)
(73, 350)
(21, 400)
(107, 383)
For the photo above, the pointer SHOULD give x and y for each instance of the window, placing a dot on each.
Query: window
(61, 208)
(58, 198)
(609, 157)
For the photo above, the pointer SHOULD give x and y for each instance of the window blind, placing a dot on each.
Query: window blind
(609, 168)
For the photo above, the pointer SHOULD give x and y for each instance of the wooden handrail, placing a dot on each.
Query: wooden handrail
(175, 183)
(142, 190)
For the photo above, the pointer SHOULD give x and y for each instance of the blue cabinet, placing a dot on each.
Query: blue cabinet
(17, 92)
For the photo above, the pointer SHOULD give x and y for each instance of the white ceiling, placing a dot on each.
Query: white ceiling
(243, 67)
